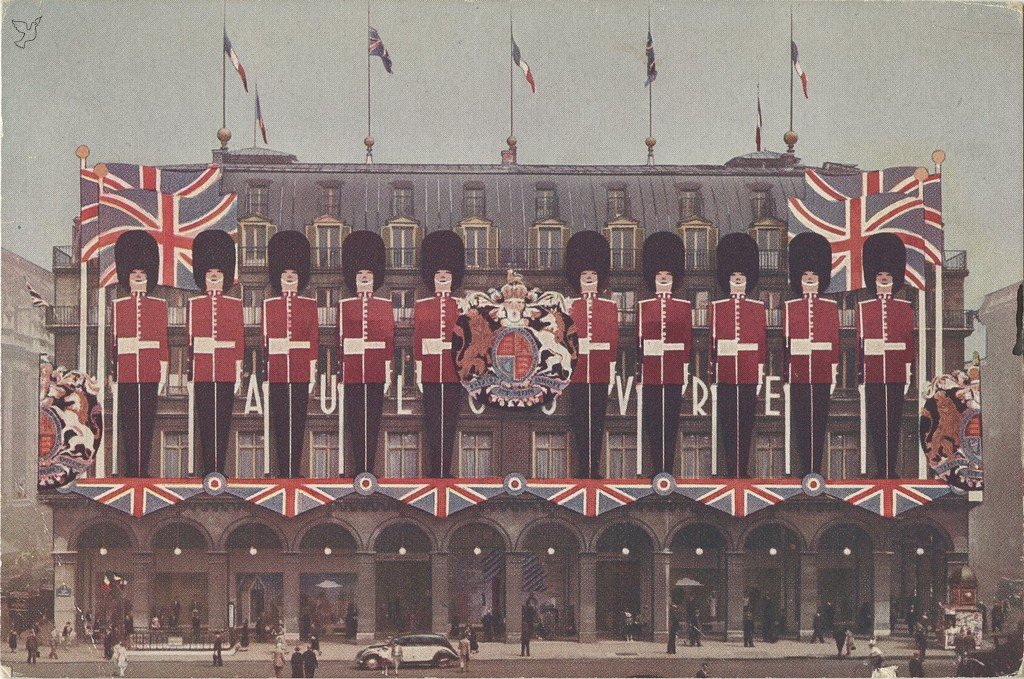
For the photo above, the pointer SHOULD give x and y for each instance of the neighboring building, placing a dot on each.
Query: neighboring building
(404, 569)
(995, 554)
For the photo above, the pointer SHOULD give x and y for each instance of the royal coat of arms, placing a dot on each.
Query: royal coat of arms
(70, 425)
(514, 347)
(951, 428)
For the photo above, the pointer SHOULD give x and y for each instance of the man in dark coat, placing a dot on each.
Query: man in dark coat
(526, 632)
(817, 629)
(828, 617)
(916, 665)
(32, 646)
(108, 643)
(748, 626)
(673, 628)
(218, 646)
(839, 636)
(297, 663)
(310, 662)
(12, 640)
(196, 624)
(921, 640)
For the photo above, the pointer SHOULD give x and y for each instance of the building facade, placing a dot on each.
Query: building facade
(404, 570)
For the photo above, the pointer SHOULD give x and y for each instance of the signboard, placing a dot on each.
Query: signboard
(962, 622)
(62, 590)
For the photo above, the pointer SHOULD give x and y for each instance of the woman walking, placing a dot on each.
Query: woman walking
(277, 660)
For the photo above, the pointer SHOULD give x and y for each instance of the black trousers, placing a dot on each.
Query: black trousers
(288, 403)
(661, 424)
(214, 402)
(884, 409)
(673, 632)
(748, 633)
(441, 404)
(736, 404)
(136, 405)
(587, 406)
(808, 423)
(363, 405)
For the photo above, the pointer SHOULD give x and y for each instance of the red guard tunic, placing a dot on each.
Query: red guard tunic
(665, 333)
(216, 337)
(366, 338)
(885, 331)
(737, 339)
(811, 328)
(433, 322)
(139, 333)
(597, 323)
(291, 333)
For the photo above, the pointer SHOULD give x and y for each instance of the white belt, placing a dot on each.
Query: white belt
(878, 347)
(804, 347)
(358, 345)
(659, 347)
(283, 345)
(731, 347)
(586, 346)
(209, 345)
(133, 345)
(432, 346)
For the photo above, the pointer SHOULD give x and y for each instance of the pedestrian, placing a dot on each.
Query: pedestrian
(702, 673)
(245, 634)
(627, 624)
(66, 634)
(310, 662)
(12, 640)
(54, 640)
(488, 622)
(694, 627)
(474, 645)
(673, 628)
(828, 618)
(297, 663)
(817, 629)
(277, 660)
(921, 640)
(32, 646)
(120, 657)
(129, 624)
(314, 643)
(525, 634)
(916, 665)
(875, 658)
(850, 644)
(196, 624)
(839, 635)
(997, 617)
(464, 652)
(748, 626)
(108, 643)
(911, 618)
(218, 647)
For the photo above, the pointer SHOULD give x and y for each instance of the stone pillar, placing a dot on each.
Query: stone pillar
(440, 620)
(291, 563)
(588, 597)
(65, 565)
(660, 592)
(221, 590)
(514, 597)
(808, 595)
(366, 595)
(735, 588)
(140, 586)
(882, 593)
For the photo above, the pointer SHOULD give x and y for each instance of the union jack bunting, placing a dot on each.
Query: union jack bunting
(174, 221)
(590, 497)
(289, 497)
(740, 497)
(887, 497)
(835, 187)
(494, 564)
(137, 497)
(848, 224)
(442, 497)
(533, 574)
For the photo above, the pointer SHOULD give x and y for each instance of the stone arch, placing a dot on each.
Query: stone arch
(727, 543)
(451, 533)
(604, 533)
(269, 530)
(192, 529)
(521, 539)
(321, 529)
(426, 543)
(744, 537)
(859, 520)
(105, 534)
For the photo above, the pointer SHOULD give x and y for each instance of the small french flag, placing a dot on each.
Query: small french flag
(517, 59)
(230, 51)
(799, 70)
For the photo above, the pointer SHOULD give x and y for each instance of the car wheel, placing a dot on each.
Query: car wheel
(441, 660)
(371, 663)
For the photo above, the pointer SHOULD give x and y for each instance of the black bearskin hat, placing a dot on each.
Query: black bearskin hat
(213, 249)
(884, 252)
(363, 250)
(663, 251)
(136, 250)
(809, 252)
(587, 251)
(737, 252)
(441, 250)
(288, 250)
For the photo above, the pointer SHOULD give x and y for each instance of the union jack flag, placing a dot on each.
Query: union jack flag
(288, 497)
(590, 497)
(137, 497)
(493, 564)
(848, 224)
(110, 578)
(887, 497)
(377, 49)
(442, 497)
(533, 574)
(740, 497)
(174, 221)
(652, 68)
(890, 180)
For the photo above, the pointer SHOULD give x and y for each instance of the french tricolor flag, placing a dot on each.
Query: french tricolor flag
(518, 60)
(230, 51)
(799, 70)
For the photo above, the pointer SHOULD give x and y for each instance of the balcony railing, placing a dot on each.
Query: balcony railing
(627, 316)
(774, 318)
(700, 318)
(64, 257)
(772, 260)
(67, 316)
(176, 315)
(955, 260)
(848, 318)
(252, 315)
(958, 319)
(403, 316)
(253, 256)
(327, 315)
(697, 260)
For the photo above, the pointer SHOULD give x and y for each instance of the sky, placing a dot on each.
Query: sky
(889, 83)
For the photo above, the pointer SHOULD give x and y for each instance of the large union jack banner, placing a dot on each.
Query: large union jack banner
(174, 221)
(590, 497)
(887, 497)
(289, 497)
(848, 224)
(739, 497)
(137, 497)
(441, 497)
(890, 180)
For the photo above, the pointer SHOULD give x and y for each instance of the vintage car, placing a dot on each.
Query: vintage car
(433, 650)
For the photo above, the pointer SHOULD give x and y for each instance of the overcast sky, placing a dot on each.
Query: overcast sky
(889, 83)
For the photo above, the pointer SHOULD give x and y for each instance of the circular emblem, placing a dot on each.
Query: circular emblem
(813, 484)
(515, 352)
(663, 484)
(214, 483)
(515, 484)
(366, 483)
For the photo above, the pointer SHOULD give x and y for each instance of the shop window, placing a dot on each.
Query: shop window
(174, 455)
(401, 455)
(249, 455)
(695, 456)
(550, 455)
(475, 451)
(770, 458)
(843, 456)
(621, 454)
(323, 451)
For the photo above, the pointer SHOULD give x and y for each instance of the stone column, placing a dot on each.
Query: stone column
(221, 590)
(140, 587)
(882, 593)
(366, 595)
(588, 597)
(440, 620)
(514, 597)
(65, 565)
(660, 593)
(291, 563)
(735, 588)
(808, 595)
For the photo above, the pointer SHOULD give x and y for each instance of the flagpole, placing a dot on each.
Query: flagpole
(938, 157)
(650, 101)
(511, 98)
(224, 70)
(791, 69)
(369, 137)
(83, 270)
(101, 358)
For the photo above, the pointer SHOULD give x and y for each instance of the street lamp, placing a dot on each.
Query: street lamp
(253, 550)
(551, 551)
(477, 551)
(103, 551)
(327, 551)
(402, 550)
(773, 552)
(847, 551)
(699, 551)
(625, 551)
(177, 550)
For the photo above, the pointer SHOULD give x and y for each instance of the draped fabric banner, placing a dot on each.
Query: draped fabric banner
(70, 424)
